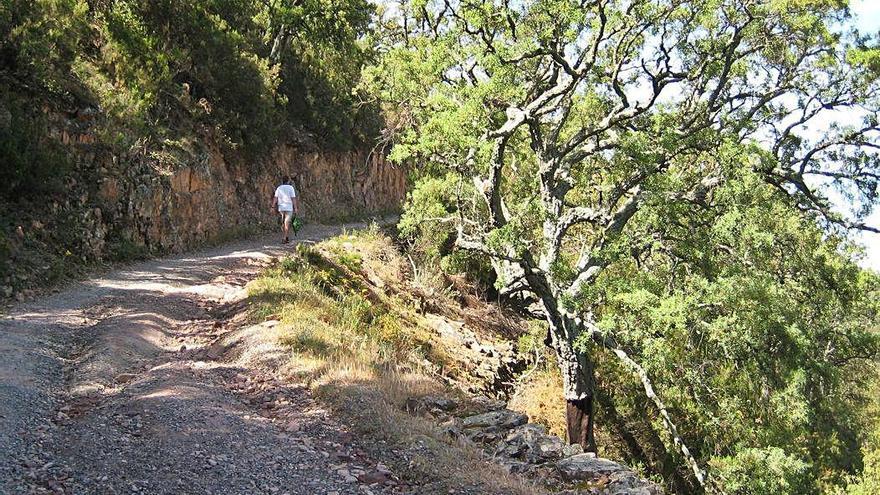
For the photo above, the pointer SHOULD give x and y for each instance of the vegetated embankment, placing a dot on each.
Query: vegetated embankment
(425, 374)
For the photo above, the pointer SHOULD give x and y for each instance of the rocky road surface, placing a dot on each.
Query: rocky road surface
(108, 387)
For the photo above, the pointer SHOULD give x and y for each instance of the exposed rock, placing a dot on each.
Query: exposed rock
(618, 483)
(527, 449)
(504, 419)
(483, 435)
(150, 200)
(586, 467)
(532, 444)
(432, 404)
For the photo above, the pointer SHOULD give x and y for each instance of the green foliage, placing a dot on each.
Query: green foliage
(767, 471)
(165, 70)
(427, 214)
(328, 52)
(126, 250)
(41, 38)
(690, 226)
(868, 482)
(427, 226)
(32, 163)
(753, 325)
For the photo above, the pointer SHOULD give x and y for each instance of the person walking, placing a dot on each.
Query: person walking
(288, 206)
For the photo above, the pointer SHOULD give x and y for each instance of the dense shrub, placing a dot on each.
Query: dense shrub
(31, 163)
(248, 71)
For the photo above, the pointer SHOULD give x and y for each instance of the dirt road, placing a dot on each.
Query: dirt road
(110, 387)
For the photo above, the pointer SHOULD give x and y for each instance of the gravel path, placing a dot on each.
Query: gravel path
(110, 386)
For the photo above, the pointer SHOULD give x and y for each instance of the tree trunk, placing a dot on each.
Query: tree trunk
(278, 43)
(579, 423)
(578, 386)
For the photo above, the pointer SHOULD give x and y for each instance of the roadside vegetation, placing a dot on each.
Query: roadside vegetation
(355, 332)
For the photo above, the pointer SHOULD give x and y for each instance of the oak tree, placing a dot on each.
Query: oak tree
(576, 134)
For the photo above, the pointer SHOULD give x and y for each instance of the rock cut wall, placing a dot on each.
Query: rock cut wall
(155, 199)
(169, 208)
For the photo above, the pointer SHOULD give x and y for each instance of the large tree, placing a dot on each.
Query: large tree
(577, 135)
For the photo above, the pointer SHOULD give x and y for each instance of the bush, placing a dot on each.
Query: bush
(763, 471)
(32, 163)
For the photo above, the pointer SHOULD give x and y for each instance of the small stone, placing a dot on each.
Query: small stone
(124, 377)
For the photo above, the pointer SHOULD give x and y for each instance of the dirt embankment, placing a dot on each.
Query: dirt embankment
(158, 198)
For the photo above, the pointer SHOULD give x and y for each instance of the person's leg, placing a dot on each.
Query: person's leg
(281, 215)
(285, 225)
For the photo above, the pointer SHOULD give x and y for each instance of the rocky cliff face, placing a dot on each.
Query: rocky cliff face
(172, 200)
(159, 198)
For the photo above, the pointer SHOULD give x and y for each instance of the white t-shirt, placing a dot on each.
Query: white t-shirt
(285, 194)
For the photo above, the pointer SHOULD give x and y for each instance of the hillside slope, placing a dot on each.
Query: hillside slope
(424, 374)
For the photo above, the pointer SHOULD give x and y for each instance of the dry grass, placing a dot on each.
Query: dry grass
(539, 398)
(360, 345)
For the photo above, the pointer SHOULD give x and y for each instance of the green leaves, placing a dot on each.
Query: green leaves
(764, 471)
(656, 167)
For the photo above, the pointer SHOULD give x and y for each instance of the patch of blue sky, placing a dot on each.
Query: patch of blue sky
(866, 18)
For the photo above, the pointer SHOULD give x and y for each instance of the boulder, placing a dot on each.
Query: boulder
(627, 483)
(586, 467)
(503, 419)
(483, 435)
(532, 444)
(611, 477)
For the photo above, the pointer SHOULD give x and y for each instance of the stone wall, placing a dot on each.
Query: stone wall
(168, 209)
(177, 198)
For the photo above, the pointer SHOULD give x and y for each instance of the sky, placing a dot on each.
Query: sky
(867, 19)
